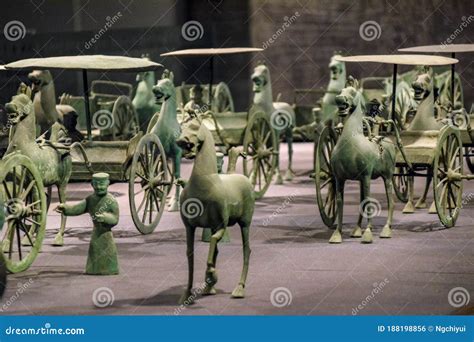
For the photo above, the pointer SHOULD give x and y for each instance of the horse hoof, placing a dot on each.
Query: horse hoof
(289, 175)
(25, 241)
(58, 241)
(278, 179)
(336, 237)
(409, 208)
(239, 292)
(209, 291)
(186, 299)
(357, 232)
(211, 277)
(420, 204)
(433, 209)
(6, 246)
(386, 232)
(367, 237)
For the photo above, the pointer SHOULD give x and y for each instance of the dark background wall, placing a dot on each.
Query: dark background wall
(298, 57)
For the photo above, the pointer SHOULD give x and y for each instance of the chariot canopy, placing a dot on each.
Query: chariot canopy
(211, 52)
(400, 59)
(442, 48)
(86, 63)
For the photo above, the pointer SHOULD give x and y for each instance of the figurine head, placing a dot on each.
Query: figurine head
(191, 137)
(195, 93)
(349, 98)
(423, 84)
(164, 88)
(39, 79)
(260, 78)
(100, 183)
(18, 108)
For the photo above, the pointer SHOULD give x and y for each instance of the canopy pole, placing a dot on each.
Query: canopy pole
(394, 89)
(85, 84)
(452, 79)
(211, 80)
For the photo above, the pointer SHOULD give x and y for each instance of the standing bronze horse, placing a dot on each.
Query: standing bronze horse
(361, 158)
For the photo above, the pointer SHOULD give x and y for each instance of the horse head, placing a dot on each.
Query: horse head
(40, 79)
(164, 88)
(350, 98)
(19, 108)
(423, 84)
(260, 78)
(192, 136)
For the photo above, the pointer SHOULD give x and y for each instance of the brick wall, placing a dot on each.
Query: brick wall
(299, 56)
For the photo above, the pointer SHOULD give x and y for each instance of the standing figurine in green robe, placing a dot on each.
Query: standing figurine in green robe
(104, 210)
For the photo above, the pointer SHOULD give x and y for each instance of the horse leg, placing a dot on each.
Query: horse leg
(278, 177)
(59, 238)
(174, 203)
(367, 236)
(421, 203)
(387, 229)
(211, 273)
(357, 231)
(409, 207)
(336, 237)
(188, 298)
(239, 291)
(289, 140)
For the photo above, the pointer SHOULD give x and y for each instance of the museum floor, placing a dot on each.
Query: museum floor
(293, 269)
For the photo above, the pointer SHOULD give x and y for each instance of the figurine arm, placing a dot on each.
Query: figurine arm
(111, 216)
(74, 209)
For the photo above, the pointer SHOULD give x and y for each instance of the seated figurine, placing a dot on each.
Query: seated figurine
(104, 210)
(196, 104)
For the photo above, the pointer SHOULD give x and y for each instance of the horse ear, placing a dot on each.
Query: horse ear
(166, 74)
(171, 76)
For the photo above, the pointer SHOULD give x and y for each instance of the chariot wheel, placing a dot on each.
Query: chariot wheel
(400, 183)
(447, 176)
(323, 176)
(469, 154)
(148, 184)
(261, 148)
(125, 119)
(25, 209)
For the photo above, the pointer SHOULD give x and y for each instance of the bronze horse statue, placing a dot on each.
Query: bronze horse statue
(54, 165)
(212, 200)
(361, 158)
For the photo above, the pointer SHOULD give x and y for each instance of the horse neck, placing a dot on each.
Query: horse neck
(354, 126)
(24, 132)
(424, 118)
(168, 110)
(264, 98)
(48, 99)
(205, 163)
